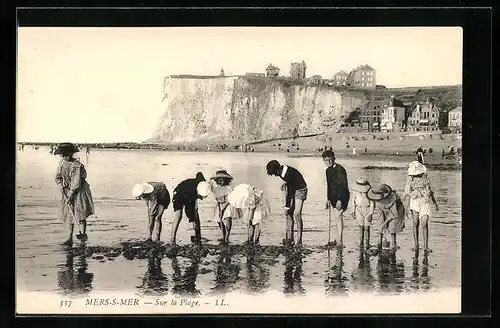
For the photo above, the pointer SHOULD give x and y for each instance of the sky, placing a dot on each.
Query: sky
(106, 84)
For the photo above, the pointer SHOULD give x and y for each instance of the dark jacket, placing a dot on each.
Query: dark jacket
(294, 181)
(337, 186)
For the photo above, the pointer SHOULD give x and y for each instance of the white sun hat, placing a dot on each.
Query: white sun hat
(416, 168)
(142, 188)
(203, 189)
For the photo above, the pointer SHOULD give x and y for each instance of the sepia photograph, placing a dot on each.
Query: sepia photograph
(212, 170)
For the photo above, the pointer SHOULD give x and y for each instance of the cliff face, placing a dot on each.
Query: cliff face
(247, 108)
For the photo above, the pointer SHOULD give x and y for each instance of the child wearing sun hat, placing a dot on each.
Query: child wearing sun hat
(363, 211)
(389, 212)
(157, 199)
(419, 195)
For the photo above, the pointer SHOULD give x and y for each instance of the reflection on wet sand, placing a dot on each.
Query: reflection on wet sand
(185, 284)
(71, 282)
(390, 273)
(422, 280)
(154, 281)
(362, 279)
(293, 274)
(335, 280)
(227, 272)
(257, 274)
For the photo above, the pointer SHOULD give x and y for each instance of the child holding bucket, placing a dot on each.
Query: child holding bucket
(363, 211)
(389, 212)
(76, 202)
(251, 201)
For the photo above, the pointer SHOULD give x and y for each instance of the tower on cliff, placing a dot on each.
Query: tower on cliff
(298, 70)
(222, 72)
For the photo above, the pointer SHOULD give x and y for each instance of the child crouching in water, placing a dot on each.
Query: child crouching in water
(389, 212)
(363, 211)
(255, 208)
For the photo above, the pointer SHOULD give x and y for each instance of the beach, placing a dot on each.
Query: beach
(45, 266)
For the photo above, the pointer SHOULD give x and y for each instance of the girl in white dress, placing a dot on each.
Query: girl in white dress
(255, 207)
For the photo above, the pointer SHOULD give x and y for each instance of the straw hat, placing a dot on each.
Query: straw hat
(362, 185)
(203, 189)
(66, 148)
(222, 174)
(379, 191)
(416, 168)
(141, 189)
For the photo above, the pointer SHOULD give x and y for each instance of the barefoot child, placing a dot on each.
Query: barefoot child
(389, 212)
(419, 195)
(224, 212)
(363, 211)
(76, 201)
(337, 192)
(157, 199)
(186, 194)
(255, 208)
(294, 200)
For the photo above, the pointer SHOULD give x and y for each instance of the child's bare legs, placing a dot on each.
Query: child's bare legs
(361, 236)
(381, 238)
(226, 229)
(339, 221)
(256, 234)
(393, 241)
(367, 237)
(425, 232)
(289, 225)
(297, 216)
(251, 228)
(416, 224)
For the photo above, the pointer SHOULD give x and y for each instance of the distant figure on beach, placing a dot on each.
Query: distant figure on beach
(420, 155)
(294, 200)
(363, 211)
(76, 201)
(185, 197)
(87, 150)
(157, 199)
(419, 196)
(254, 207)
(337, 193)
(389, 212)
(224, 212)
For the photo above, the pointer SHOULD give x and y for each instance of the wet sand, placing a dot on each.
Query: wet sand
(115, 258)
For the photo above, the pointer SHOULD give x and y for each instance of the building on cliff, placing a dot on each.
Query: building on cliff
(272, 70)
(341, 78)
(298, 70)
(222, 72)
(455, 120)
(316, 80)
(363, 77)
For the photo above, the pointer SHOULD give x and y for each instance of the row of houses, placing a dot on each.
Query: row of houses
(399, 116)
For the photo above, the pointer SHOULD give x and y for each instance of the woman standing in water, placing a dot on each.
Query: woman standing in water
(418, 191)
(76, 201)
